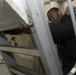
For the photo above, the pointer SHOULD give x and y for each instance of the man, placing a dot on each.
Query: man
(62, 29)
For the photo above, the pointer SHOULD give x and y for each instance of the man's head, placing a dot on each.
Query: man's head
(54, 15)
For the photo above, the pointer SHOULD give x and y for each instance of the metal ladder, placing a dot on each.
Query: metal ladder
(43, 40)
(7, 53)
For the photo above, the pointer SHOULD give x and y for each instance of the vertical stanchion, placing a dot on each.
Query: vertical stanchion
(43, 39)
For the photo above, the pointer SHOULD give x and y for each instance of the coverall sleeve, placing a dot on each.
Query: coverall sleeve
(15, 31)
(62, 30)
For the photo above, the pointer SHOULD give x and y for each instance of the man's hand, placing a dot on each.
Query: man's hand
(67, 11)
(26, 30)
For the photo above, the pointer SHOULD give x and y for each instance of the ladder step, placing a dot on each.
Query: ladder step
(21, 50)
(24, 71)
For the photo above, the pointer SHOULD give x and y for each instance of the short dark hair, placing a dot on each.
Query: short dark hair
(54, 9)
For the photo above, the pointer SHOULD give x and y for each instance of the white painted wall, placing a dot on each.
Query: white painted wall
(64, 5)
(50, 5)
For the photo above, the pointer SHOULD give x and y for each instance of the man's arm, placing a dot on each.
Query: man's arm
(16, 31)
(62, 30)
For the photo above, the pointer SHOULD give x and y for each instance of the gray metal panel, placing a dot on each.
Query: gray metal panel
(9, 58)
(20, 7)
(43, 39)
(4, 70)
(3, 39)
(9, 19)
